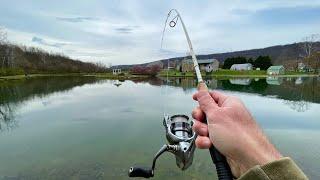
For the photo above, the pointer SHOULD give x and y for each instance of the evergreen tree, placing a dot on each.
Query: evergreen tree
(262, 62)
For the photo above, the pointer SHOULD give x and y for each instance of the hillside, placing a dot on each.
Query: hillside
(20, 60)
(281, 54)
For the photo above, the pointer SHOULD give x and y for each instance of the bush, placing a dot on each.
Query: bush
(143, 70)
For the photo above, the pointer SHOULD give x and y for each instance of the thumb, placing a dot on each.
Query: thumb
(204, 98)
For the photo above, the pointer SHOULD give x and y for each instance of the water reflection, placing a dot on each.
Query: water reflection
(272, 80)
(299, 106)
(14, 93)
(297, 93)
(306, 90)
(241, 81)
(96, 131)
(7, 116)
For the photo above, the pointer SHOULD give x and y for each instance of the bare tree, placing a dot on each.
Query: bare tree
(3, 36)
(3, 39)
(308, 45)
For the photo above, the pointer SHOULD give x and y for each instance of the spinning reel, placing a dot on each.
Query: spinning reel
(181, 139)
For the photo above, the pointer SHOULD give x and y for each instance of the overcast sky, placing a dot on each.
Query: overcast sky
(129, 31)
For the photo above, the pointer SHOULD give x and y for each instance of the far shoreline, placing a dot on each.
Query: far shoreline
(248, 76)
(130, 76)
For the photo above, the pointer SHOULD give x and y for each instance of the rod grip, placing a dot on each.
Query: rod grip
(222, 166)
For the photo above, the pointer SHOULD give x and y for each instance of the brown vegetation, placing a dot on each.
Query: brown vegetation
(152, 70)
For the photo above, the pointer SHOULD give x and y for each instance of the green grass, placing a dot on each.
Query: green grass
(220, 72)
(11, 71)
(16, 74)
(231, 72)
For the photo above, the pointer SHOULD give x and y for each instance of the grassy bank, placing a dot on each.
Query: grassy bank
(231, 73)
(97, 75)
(172, 73)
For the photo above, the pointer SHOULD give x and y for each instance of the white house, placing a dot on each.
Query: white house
(241, 67)
(116, 71)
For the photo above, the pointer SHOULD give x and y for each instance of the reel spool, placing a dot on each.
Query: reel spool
(181, 139)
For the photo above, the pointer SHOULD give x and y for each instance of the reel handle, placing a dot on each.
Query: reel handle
(140, 172)
(222, 166)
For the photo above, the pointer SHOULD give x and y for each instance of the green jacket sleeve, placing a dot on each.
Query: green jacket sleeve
(283, 169)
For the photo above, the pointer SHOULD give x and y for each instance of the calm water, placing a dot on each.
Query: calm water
(84, 128)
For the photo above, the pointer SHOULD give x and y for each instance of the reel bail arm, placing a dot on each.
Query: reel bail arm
(149, 172)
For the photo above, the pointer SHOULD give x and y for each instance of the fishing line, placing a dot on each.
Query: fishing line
(172, 23)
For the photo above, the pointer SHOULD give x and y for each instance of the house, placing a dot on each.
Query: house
(275, 70)
(207, 65)
(116, 71)
(241, 67)
(304, 68)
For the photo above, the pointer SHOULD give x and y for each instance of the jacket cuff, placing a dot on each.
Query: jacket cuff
(284, 169)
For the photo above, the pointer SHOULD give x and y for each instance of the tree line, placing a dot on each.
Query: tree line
(262, 62)
(16, 59)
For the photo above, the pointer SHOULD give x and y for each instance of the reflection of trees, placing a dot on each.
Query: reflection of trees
(299, 106)
(306, 90)
(305, 87)
(14, 93)
(7, 114)
(254, 86)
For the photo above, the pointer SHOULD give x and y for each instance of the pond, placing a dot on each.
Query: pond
(86, 128)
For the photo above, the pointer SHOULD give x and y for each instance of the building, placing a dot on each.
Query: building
(301, 67)
(275, 70)
(116, 71)
(241, 67)
(304, 68)
(207, 65)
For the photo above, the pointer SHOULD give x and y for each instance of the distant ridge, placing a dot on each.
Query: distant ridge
(280, 54)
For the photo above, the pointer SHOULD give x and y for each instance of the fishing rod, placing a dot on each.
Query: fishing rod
(179, 131)
(222, 167)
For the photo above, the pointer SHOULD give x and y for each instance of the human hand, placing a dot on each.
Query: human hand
(232, 130)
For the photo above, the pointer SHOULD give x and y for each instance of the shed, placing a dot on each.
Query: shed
(275, 70)
(241, 67)
(208, 65)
